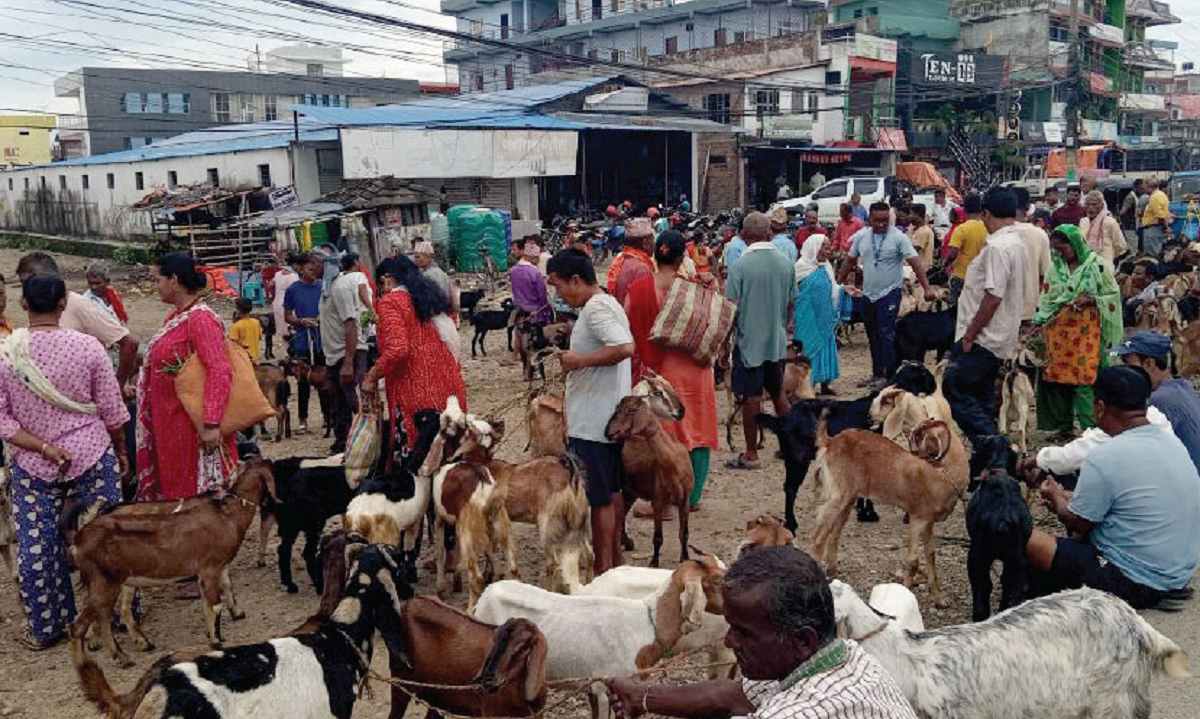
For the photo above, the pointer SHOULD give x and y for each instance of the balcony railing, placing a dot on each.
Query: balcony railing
(72, 122)
(1143, 102)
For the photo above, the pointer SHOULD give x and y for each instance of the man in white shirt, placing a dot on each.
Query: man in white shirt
(1037, 253)
(943, 213)
(989, 318)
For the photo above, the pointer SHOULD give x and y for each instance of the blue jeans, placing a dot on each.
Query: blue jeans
(880, 318)
(970, 388)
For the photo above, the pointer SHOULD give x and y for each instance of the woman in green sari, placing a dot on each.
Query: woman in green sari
(1080, 309)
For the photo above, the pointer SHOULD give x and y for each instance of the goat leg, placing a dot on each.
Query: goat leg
(287, 538)
(266, 519)
(227, 595)
(626, 540)
(312, 540)
(659, 510)
(502, 533)
(1014, 580)
(792, 479)
(210, 602)
(439, 555)
(131, 623)
(683, 509)
(97, 614)
(979, 572)
(912, 562)
(935, 585)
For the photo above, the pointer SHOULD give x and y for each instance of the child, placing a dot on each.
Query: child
(246, 330)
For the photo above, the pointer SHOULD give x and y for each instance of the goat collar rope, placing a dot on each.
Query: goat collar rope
(882, 625)
(667, 652)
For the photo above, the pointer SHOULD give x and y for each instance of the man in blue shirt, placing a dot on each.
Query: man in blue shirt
(302, 311)
(734, 246)
(883, 250)
(1136, 507)
(1176, 398)
(856, 207)
(781, 239)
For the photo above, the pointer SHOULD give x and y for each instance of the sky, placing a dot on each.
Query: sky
(41, 40)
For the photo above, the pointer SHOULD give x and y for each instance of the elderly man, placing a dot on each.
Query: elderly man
(782, 632)
(1135, 509)
(779, 235)
(426, 260)
(634, 262)
(1100, 229)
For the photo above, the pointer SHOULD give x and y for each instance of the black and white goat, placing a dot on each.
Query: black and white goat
(999, 525)
(298, 677)
(1080, 653)
(310, 492)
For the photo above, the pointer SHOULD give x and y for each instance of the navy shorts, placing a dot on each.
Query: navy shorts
(1081, 564)
(605, 470)
(751, 381)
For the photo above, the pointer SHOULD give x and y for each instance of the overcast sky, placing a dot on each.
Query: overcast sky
(43, 39)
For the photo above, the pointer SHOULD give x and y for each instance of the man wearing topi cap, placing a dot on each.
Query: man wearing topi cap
(779, 227)
(634, 262)
(425, 260)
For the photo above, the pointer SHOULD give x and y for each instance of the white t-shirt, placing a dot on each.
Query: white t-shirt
(1037, 257)
(1001, 270)
(593, 393)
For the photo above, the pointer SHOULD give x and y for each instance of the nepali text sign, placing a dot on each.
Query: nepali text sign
(284, 197)
(961, 69)
(788, 127)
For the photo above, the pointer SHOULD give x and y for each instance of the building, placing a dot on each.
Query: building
(523, 38)
(302, 59)
(128, 108)
(25, 139)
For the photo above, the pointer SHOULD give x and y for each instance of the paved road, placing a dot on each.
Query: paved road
(1179, 698)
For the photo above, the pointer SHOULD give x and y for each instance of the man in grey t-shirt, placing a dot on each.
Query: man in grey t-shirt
(345, 346)
(598, 378)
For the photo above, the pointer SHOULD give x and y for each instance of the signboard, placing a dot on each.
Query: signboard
(1042, 133)
(788, 127)
(284, 197)
(964, 69)
(1107, 33)
(416, 154)
(890, 138)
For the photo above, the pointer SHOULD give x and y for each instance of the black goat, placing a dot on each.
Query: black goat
(467, 300)
(308, 497)
(999, 525)
(489, 320)
(920, 332)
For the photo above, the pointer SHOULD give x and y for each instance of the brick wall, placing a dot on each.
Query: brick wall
(721, 178)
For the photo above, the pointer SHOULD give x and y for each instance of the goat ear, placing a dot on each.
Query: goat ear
(693, 602)
(535, 668)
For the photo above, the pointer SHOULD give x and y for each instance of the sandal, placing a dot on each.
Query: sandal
(740, 462)
(34, 645)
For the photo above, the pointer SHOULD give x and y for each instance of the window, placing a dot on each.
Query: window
(270, 108)
(504, 26)
(831, 190)
(833, 78)
(154, 103)
(264, 175)
(615, 6)
(139, 181)
(315, 69)
(593, 54)
(858, 13)
(26, 183)
(214, 178)
(597, 9)
(476, 28)
(747, 36)
(62, 182)
(324, 101)
(179, 103)
(10, 184)
(615, 56)
(1059, 31)
(479, 83)
(671, 45)
(221, 106)
(814, 102)
(86, 181)
(508, 77)
(131, 102)
(719, 37)
(172, 179)
(43, 180)
(866, 187)
(766, 102)
(112, 181)
(716, 106)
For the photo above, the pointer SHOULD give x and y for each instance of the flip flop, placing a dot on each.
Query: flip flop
(740, 462)
(33, 645)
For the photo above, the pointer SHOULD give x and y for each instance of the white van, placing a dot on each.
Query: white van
(830, 196)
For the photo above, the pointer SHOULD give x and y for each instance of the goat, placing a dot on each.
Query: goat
(1017, 394)
(468, 300)
(545, 425)
(923, 330)
(858, 463)
(125, 544)
(307, 676)
(765, 530)
(310, 491)
(999, 525)
(1017, 663)
(611, 636)
(797, 387)
(1186, 345)
(7, 531)
(898, 602)
(488, 320)
(273, 381)
(534, 338)
(657, 466)
(316, 375)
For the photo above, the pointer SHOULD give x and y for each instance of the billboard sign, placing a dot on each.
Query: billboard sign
(964, 69)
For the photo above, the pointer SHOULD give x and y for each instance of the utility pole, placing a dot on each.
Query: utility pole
(1073, 91)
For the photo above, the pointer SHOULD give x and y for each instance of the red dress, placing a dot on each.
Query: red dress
(418, 371)
(168, 453)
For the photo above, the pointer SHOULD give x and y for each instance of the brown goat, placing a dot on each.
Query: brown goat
(857, 463)
(200, 540)
(546, 425)
(1187, 349)
(765, 530)
(657, 467)
(273, 381)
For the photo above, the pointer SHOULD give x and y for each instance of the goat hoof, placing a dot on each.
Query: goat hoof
(260, 563)
(147, 646)
(291, 588)
(940, 602)
(237, 616)
(865, 516)
(123, 660)
(93, 644)
(627, 544)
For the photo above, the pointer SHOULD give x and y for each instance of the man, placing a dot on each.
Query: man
(1136, 508)
(943, 212)
(780, 238)
(763, 284)
(345, 343)
(1129, 214)
(856, 207)
(82, 315)
(1050, 202)
(1072, 211)
(1156, 220)
(425, 260)
(1174, 397)
(598, 378)
(966, 243)
(1037, 254)
(634, 262)
(921, 236)
(883, 250)
(817, 179)
(529, 290)
(1143, 286)
(784, 192)
(734, 248)
(301, 311)
(899, 213)
(989, 318)
(811, 227)
(783, 635)
(847, 227)
(1100, 229)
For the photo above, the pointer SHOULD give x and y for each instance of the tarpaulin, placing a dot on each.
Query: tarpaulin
(1086, 158)
(923, 174)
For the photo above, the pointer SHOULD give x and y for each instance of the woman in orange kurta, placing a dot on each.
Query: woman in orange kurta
(692, 382)
(418, 369)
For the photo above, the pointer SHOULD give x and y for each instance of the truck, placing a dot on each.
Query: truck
(830, 196)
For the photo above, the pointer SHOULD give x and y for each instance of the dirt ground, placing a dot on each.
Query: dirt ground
(44, 685)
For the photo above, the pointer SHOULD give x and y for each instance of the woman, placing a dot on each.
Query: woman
(692, 382)
(1080, 309)
(277, 288)
(1101, 230)
(101, 291)
(61, 415)
(418, 369)
(818, 310)
(174, 460)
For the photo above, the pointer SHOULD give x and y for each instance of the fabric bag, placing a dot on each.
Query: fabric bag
(247, 404)
(694, 319)
(362, 447)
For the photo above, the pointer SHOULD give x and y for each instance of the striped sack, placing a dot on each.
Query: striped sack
(362, 447)
(694, 319)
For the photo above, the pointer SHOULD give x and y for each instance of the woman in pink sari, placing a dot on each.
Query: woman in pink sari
(174, 460)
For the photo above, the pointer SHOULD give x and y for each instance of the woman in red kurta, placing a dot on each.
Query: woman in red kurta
(173, 459)
(418, 370)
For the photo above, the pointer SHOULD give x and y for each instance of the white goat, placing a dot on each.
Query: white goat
(1080, 653)
(898, 601)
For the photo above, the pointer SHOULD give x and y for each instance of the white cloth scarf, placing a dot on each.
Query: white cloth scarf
(15, 353)
(446, 329)
(1095, 234)
(808, 264)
